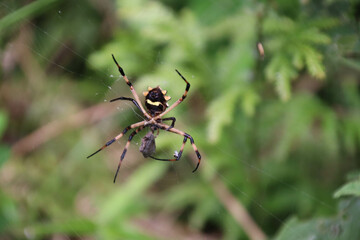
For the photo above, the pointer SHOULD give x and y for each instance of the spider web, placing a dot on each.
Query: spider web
(117, 89)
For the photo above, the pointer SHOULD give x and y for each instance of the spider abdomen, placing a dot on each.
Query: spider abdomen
(156, 100)
(148, 147)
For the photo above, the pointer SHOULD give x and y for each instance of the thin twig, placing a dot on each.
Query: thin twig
(235, 208)
(52, 129)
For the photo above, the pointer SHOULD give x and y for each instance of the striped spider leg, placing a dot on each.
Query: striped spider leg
(135, 125)
(137, 99)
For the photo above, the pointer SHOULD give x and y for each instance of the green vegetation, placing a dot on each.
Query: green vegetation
(279, 136)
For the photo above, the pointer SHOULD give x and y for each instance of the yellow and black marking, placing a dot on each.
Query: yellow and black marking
(156, 100)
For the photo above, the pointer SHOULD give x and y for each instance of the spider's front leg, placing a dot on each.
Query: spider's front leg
(128, 99)
(121, 70)
(179, 100)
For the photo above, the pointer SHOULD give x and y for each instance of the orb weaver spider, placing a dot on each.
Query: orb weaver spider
(156, 103)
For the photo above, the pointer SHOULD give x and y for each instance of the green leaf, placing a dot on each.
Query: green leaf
(293, 46)
(343, 227)
(79, 226)
(313, 62)
(351, 188)
(220, 113)
(9, 214)
(4, 154)
(3, 122)
(116, 204)
(28, 11)
(249, 101)
(281, 72)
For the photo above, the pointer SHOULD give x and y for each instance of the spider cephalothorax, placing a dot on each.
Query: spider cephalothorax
(156, 100)
(157, 106)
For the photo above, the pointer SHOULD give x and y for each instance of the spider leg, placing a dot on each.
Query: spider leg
(173, 122)
(178, 156)
(179, 100)
(163, 159)
(118, 137)
(125, 149)
(131, 88)
(186, 136)
(129, 99)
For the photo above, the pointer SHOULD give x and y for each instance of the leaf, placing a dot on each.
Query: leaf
(4, 154)
(3, 122)
(9, 214)
(343, 227)
(4, 150)
(313, 62)
(220, 113)
(30, 10)
(351, 188)
(293, 46)
(281, 72)
(249, 101)
(77, 226)
(116, 204)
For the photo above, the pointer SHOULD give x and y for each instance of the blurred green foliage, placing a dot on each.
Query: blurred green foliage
(280, 133)
(4, 149)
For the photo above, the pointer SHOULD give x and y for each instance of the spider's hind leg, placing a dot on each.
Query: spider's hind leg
(180, 99)
(125, 149)
(186, 136)
(116, 138)
(164, 159)
(177, 156)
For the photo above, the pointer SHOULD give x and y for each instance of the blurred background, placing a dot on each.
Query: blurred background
(279, 131)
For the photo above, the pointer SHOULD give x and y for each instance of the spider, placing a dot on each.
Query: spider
(156, 103)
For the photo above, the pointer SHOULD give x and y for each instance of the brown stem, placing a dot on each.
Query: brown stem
(235, 208)
(52, 129)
